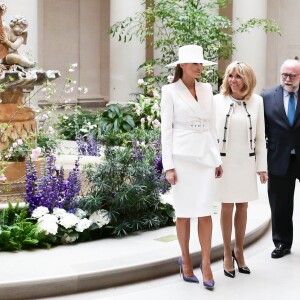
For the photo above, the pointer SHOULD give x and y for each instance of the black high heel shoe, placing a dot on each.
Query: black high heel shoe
(230, 274)
(192, 279)
(244, 270)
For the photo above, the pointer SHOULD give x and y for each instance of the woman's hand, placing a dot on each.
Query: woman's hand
(218, 172)
(171, 176)
(263, 176)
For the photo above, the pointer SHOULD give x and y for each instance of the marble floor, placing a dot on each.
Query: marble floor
(112, 268)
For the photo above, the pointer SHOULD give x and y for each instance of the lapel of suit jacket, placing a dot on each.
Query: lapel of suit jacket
(297, 113)
(187, 97)
(280, 104)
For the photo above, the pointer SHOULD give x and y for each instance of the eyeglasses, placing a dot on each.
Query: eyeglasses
(290, 75)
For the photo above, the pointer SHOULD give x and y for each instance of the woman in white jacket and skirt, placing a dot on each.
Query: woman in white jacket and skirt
(191, 159)
(241, 136)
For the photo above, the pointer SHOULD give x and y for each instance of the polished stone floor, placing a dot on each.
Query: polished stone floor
(274, 279)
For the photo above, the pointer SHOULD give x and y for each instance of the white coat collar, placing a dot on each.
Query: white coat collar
(187, 97)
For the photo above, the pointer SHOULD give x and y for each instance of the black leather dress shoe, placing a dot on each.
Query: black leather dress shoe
(280, 251)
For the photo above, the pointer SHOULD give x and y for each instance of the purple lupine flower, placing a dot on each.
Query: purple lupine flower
(158, 164)
(51, 190)
(31, 186)
(137, 150)
(88, 145)
(72, 188)
(61, 186)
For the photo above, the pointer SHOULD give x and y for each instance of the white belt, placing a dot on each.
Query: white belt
(199, 126)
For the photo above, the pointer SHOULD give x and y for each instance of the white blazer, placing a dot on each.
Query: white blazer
(178, 110)
(254, 114)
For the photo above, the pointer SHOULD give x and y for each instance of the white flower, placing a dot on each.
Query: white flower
(15, 144)
(2, 177)
(147, 100)
(20, 142)
(100, 217)
(170, 78)
(68, 220)
(155, 106)
(140, 81)
(142, 120)
(80, 213)
(59, 212)
(65, 117)
(156, 123)
(44, 117)
(83, 224)
(35, 153)
(156, 94)
(50, 129)
(67, 239)
(149, 119)
(48, 223)
(39, 212)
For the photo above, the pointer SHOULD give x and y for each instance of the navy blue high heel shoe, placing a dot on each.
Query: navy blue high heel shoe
(192, 279)
(209, 283)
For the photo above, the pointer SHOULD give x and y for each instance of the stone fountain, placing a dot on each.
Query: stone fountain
(18, 77)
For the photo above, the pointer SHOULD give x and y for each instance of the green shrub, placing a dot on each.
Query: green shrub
(80, 122)
(129, 186)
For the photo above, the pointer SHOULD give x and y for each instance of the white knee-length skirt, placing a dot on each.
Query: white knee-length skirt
(195, 188)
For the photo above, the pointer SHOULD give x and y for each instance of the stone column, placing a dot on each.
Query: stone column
(125, 58)
(251, 47)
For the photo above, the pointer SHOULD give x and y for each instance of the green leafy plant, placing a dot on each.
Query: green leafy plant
(18, 232)
(180, 22)
(116, 119)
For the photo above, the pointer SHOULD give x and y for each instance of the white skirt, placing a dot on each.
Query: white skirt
(195, 188)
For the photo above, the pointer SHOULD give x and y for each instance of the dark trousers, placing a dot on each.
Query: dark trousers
(281, 197)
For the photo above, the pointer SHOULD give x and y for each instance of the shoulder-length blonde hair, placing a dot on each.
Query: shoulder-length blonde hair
(247, 74)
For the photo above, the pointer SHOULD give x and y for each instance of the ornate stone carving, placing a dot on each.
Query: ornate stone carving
(19, 77)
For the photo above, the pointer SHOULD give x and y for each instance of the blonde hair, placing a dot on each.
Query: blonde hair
(247, 74)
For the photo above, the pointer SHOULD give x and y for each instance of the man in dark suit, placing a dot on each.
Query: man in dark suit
(282, 118)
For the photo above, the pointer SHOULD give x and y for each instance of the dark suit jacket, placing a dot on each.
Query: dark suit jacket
(281, 137)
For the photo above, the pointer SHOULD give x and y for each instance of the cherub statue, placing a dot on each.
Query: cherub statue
(16, 35)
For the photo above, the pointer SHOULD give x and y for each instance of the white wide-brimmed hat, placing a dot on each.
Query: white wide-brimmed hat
(191, 54)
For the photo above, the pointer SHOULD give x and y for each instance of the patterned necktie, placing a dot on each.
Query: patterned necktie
(291, 108)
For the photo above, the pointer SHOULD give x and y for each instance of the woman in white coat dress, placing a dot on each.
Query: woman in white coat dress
(241, 136)
(191, 159)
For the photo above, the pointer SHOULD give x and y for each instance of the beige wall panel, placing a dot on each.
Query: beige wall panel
(89, 32)
(75, 31)
(60, 39)
(286, 13)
